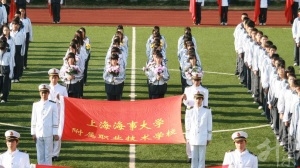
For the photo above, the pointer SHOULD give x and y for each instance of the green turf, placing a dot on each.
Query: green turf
(231, 106)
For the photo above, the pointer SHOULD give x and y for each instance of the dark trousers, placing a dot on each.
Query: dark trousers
(86, 65)
(237, 64)
(294, 11)
(224, 14)
(26, 49)
(255, 87)
(248, 78)
(242, 68)
(265, 106)
(56, 12)
(263, 15)
(275, 118)
(73, 90)
(4, 86)
(291, 145)
(198, 12)
(297, 158)
(18, 69)
(296, 54)
(114, 92)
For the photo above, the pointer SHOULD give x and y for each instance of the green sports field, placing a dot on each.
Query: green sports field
(231, 105)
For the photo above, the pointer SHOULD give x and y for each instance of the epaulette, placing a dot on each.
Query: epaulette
(251, 153)
(206, 107)
(230, 150)
(52, 101)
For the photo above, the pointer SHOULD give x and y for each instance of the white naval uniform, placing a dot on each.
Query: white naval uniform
(15, 159)
(199, 131)
(54, 91)
(44, 124)
(236, 159)
(189, 102)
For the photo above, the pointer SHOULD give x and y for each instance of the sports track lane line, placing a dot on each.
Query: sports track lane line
(132, 95)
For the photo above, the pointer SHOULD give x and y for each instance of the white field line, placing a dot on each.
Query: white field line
(216, 131)
(132, 94)
(133, 68)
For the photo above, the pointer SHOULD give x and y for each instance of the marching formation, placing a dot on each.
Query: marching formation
(14, 42)
(272, 84)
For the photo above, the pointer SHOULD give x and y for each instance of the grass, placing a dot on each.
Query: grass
(231, 106)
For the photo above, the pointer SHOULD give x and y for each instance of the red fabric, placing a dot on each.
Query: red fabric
(12, 10)
(220, 6)
(193, 10)
(288, 10)
(50, 10)
(47, 166)
(256, 10)
(125, 122)
(221, 166)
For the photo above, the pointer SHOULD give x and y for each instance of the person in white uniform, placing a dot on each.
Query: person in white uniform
(199, 131)
(44, 125)
(13, 158)
(56, 90)
(240, 157)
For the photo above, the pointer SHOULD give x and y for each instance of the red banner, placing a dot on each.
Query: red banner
(155, 121)
(256, 10)
(221, 166)
(12, 10)
(50, 10)
(192, 9)
(288, 10)
(219, 2)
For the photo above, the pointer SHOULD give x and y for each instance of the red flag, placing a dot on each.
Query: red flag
(193, 10)
(288, 10)
(49, 166)
(124, 122)
(256, 10)
(50, 10)
(12, 10)
(220, 7)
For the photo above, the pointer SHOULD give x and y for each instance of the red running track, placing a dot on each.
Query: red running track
(145, 17)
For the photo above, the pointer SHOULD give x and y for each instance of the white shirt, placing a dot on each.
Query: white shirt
(296, 29)
(263, 3)
(15, 159)
(4, 15)
(199, 129)
(27, 27)
(191, 91)
(55, 90)
(224, 2)
(236, 159)
(44, 119)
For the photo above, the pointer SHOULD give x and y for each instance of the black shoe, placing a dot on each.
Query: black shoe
(55, 158)
(236, 73)
(189, 160)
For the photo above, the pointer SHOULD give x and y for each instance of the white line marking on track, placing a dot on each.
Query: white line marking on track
(238, 129)
(132, 95)
(133, 68)
(13, 125)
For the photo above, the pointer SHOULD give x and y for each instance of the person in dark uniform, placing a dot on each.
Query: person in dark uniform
(199, 4)
(21, 4)
(55, 6)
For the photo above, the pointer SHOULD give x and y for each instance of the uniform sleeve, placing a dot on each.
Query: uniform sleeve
(23, 36)
(33, 119)
(209, 125)
(226, 160)
(54, 119)
(166, 75)
(187, 122)
(26, 161)
(61, 2)
(121, 76)
(205, 102)
(255, 162)
(281, 102)
(30, 30)
(4, 14)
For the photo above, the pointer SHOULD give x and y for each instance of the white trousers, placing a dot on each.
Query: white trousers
(56, 148)
(44, 148)
(198, 156)
(188, 149)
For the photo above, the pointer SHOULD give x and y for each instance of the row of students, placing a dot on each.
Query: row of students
(273, 85)
(75, 63)
(156, 66)
(15, 40)
(115, 65)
